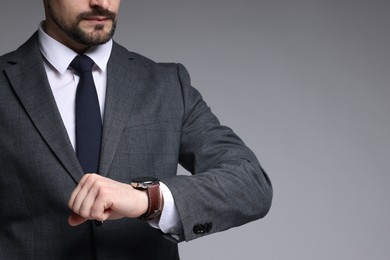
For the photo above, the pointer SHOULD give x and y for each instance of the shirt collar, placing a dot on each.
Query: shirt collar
(60, 56)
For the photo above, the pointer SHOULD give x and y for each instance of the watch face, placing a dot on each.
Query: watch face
(145, 180)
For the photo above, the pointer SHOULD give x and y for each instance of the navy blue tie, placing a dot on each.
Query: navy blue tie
(88, 118)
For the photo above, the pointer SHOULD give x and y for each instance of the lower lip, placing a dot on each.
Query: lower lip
(97, 20)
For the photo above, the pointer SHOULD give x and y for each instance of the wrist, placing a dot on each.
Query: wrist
(143, 201)
(151, 188)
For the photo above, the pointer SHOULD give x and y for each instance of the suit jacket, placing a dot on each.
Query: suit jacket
(153, 120)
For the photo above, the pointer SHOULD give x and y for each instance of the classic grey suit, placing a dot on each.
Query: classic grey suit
(153, 119)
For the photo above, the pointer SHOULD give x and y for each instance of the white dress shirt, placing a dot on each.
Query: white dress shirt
(63, 82)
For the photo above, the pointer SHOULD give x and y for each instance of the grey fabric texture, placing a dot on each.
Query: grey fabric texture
(153, 120)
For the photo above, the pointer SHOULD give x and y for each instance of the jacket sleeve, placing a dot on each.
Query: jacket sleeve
(228, 186)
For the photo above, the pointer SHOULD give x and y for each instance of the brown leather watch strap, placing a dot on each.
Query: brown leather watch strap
(155, 200)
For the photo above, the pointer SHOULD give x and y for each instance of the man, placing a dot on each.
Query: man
(61, 199)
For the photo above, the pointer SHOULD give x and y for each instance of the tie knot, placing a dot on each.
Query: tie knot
(82, 63)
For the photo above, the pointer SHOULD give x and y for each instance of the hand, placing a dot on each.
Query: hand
(100, 198)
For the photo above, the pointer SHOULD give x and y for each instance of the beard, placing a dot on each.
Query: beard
(98, 36)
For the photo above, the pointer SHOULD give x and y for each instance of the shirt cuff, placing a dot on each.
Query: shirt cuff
(169, 221)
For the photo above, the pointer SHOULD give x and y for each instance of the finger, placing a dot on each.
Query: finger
(86, 195)
(88, 206)
(75, 219)
(77, 190)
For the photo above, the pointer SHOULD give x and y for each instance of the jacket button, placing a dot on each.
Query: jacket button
(199, 229)
(202, 228)
(208, 226)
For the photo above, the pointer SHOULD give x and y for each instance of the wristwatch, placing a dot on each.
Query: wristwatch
(155, 198)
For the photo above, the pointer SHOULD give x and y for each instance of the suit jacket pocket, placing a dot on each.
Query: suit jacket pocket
(153, 136)
(155, 125)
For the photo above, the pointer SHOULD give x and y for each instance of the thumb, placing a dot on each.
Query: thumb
(75, 219)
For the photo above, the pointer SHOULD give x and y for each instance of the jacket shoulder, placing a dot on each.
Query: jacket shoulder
(8, 58)
(27, 50)
(144, 61)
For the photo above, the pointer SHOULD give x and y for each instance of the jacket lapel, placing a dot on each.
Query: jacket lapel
(123, 81)
(28, 78)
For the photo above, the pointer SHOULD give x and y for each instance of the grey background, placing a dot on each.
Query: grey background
(306, 85)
